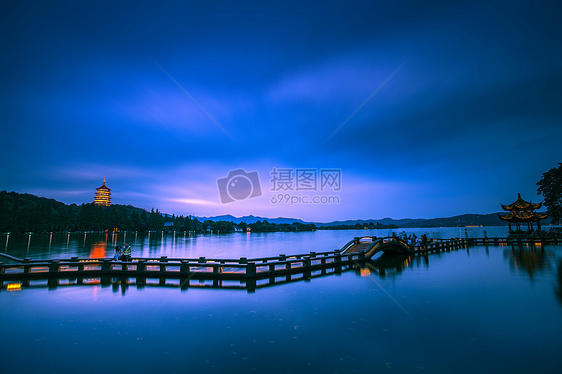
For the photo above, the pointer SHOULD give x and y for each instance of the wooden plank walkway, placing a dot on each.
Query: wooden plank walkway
(247, 272)
(229, 273)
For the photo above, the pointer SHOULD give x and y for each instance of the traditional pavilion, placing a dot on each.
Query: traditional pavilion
(522, 211)
(103, 195)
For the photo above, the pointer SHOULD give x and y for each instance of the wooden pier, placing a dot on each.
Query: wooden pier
(225, 273)
(242, 273)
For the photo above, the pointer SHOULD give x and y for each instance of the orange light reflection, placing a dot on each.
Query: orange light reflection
(13, 287)
(98, 250)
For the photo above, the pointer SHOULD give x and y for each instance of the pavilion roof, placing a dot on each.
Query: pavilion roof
(521, 205)
(523, 216)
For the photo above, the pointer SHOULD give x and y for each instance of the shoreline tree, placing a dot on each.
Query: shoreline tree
(550, 187)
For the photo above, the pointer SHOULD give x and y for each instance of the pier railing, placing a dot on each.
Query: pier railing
(515, 241)
(243, 272)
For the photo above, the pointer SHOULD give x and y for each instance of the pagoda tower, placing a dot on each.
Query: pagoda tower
(521, 211)
(103, 195)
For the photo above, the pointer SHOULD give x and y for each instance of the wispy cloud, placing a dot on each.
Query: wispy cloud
(195, 101)
(194, 201)
(364, 102)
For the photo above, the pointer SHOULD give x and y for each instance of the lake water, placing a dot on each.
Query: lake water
(485, 309)
(180, 244)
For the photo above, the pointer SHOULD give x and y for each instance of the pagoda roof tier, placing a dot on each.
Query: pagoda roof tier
(521, 205)
(103, 187)
(523, 216)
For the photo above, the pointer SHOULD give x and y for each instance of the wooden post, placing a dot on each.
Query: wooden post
(105, 266)
(337, 260)
(80, 267)
(323, 265)
(251, 277)
(73, 261)
(163, 261)
(184, 267)
(26, 266)
(251, 269)
(307, 272)
(184, 273)
(141, 266)
(54, 266)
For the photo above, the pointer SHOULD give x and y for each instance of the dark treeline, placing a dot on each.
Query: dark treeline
(358, 226)
(264, 226)
(21, 213)
(24, 212)
(224, 227)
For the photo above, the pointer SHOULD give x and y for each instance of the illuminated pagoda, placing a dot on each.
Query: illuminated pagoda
(522, 211)
(103, 195)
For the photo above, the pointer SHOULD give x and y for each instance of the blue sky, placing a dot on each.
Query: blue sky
(429, 109)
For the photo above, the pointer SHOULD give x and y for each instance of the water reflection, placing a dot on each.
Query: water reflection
(389, 265)
(184, 244)
(558, 286)
(99, 250)
(529, 260)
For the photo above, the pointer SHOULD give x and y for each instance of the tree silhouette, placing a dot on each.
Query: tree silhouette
(550, 186)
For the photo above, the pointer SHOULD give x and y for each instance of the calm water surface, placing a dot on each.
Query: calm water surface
(42, 246)
(486, 309)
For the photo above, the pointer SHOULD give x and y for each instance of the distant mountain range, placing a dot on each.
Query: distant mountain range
(28, 201)
(455, 221)
(251, 219)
